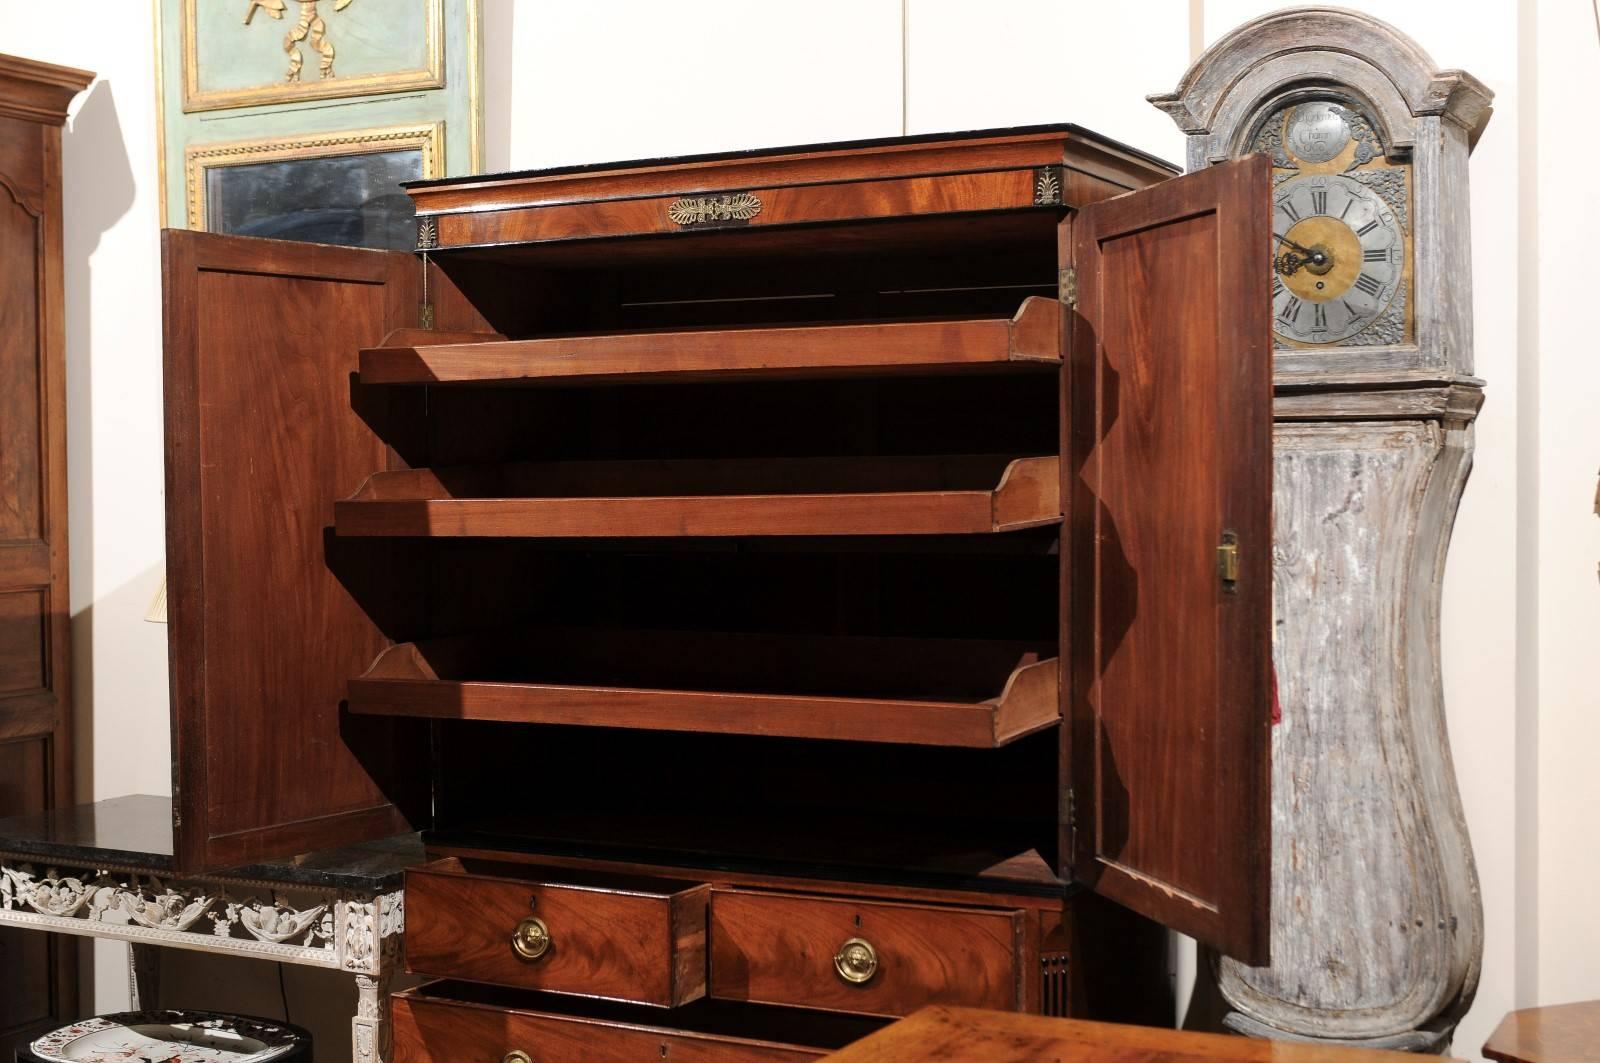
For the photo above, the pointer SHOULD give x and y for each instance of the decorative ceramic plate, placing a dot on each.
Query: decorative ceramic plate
(170, 1037)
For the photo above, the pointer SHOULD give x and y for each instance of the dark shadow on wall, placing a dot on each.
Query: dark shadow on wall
(499, 18)
(98, 189)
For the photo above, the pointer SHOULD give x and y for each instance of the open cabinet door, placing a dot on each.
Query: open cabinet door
(1170, 554)
(262, 435)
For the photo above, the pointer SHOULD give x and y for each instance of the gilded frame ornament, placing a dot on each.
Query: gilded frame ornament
(430, 76)
(200, 158)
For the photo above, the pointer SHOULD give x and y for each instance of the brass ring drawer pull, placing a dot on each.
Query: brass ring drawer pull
(517, 1056)
(856, 961)
(531, 940)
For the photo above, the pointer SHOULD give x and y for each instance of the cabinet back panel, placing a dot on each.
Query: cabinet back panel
(967, 415)
(965, 269)
(714, 799)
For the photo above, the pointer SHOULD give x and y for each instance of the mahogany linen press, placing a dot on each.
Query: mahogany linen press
(787, 588)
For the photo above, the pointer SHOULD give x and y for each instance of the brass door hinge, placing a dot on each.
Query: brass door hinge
(1228, 561)
(1072, 823)
(1068, 287)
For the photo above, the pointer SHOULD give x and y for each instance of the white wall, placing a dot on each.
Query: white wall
(1567, 421)
(569, 82)
(114, 440)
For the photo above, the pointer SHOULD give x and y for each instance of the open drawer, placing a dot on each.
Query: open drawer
(615, 937)
(445, 1022)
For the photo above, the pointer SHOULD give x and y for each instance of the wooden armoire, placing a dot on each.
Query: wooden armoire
(786, 587)
(35, 705)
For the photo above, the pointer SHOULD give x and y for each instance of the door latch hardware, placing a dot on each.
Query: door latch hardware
(1228, 561)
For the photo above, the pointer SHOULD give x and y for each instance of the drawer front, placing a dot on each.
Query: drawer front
(641, 941)
(865, 957)
(759, 208)
(432, 1030)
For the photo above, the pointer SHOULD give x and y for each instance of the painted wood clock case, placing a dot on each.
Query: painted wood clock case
(1378, 926)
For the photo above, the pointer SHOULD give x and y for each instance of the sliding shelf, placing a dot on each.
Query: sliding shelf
(933, 692)
(951, 495)
(1032, 337)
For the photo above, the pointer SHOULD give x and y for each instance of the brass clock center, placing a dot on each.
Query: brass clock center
(1328, 265)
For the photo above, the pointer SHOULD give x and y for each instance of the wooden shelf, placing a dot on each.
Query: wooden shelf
(1031, 337)
(934, 692)
(952, 495)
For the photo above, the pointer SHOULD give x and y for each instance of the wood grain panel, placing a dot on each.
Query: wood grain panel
(612, 937)
(38, 987)
(26, 956)
(451, 1022)
(262, 436)
(1030, 338)
(944, 692)
(1083, 152)
(903, 496)
(24, 620)
(779, 949)
(857, 201)
(1171, 449)
(963, 1035)
(1564, 1032)
(21, 349)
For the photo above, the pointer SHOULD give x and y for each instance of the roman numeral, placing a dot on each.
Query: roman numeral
(1319, 319)
(1367, 228)
(1378, 254)
(1277, 285)
(1290, 311)
(1349, 309)
(1319, 201)
(1348, 203)
(1288, 208)
(1369, 284)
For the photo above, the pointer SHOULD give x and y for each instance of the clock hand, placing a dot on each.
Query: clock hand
(1298, 247)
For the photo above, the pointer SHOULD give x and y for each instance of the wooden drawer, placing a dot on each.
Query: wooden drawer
(616, 937)
(757, 208)
(786, 949)
(455, 1023)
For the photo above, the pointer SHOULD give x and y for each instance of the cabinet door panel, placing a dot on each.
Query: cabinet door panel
(263, 434)
(1170, 391)
(38, 972)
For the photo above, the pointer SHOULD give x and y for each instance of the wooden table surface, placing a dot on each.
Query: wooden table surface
(967, 1035)
(1565, 1033)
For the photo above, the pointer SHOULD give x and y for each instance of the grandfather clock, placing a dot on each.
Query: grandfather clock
(1377, 926)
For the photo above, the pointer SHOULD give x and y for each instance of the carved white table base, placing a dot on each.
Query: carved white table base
(358, 933)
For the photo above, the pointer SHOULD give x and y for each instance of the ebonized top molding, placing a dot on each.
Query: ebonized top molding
(135, 833)
(1044, 131)
(903, 175)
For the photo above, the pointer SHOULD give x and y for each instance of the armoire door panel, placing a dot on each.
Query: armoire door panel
(1170, 486)
(262, 436)
(24, 641)
(21, 345)
(38, 972)
(26, 956)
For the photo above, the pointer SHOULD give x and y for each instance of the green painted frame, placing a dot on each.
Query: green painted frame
(316, 116)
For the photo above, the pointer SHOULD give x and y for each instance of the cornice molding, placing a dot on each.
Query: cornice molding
(39, 92)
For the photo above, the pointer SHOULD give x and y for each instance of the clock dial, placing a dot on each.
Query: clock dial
(1341, 261)
(1338, 258)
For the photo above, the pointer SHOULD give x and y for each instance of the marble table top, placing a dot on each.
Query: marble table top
(135, 834)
